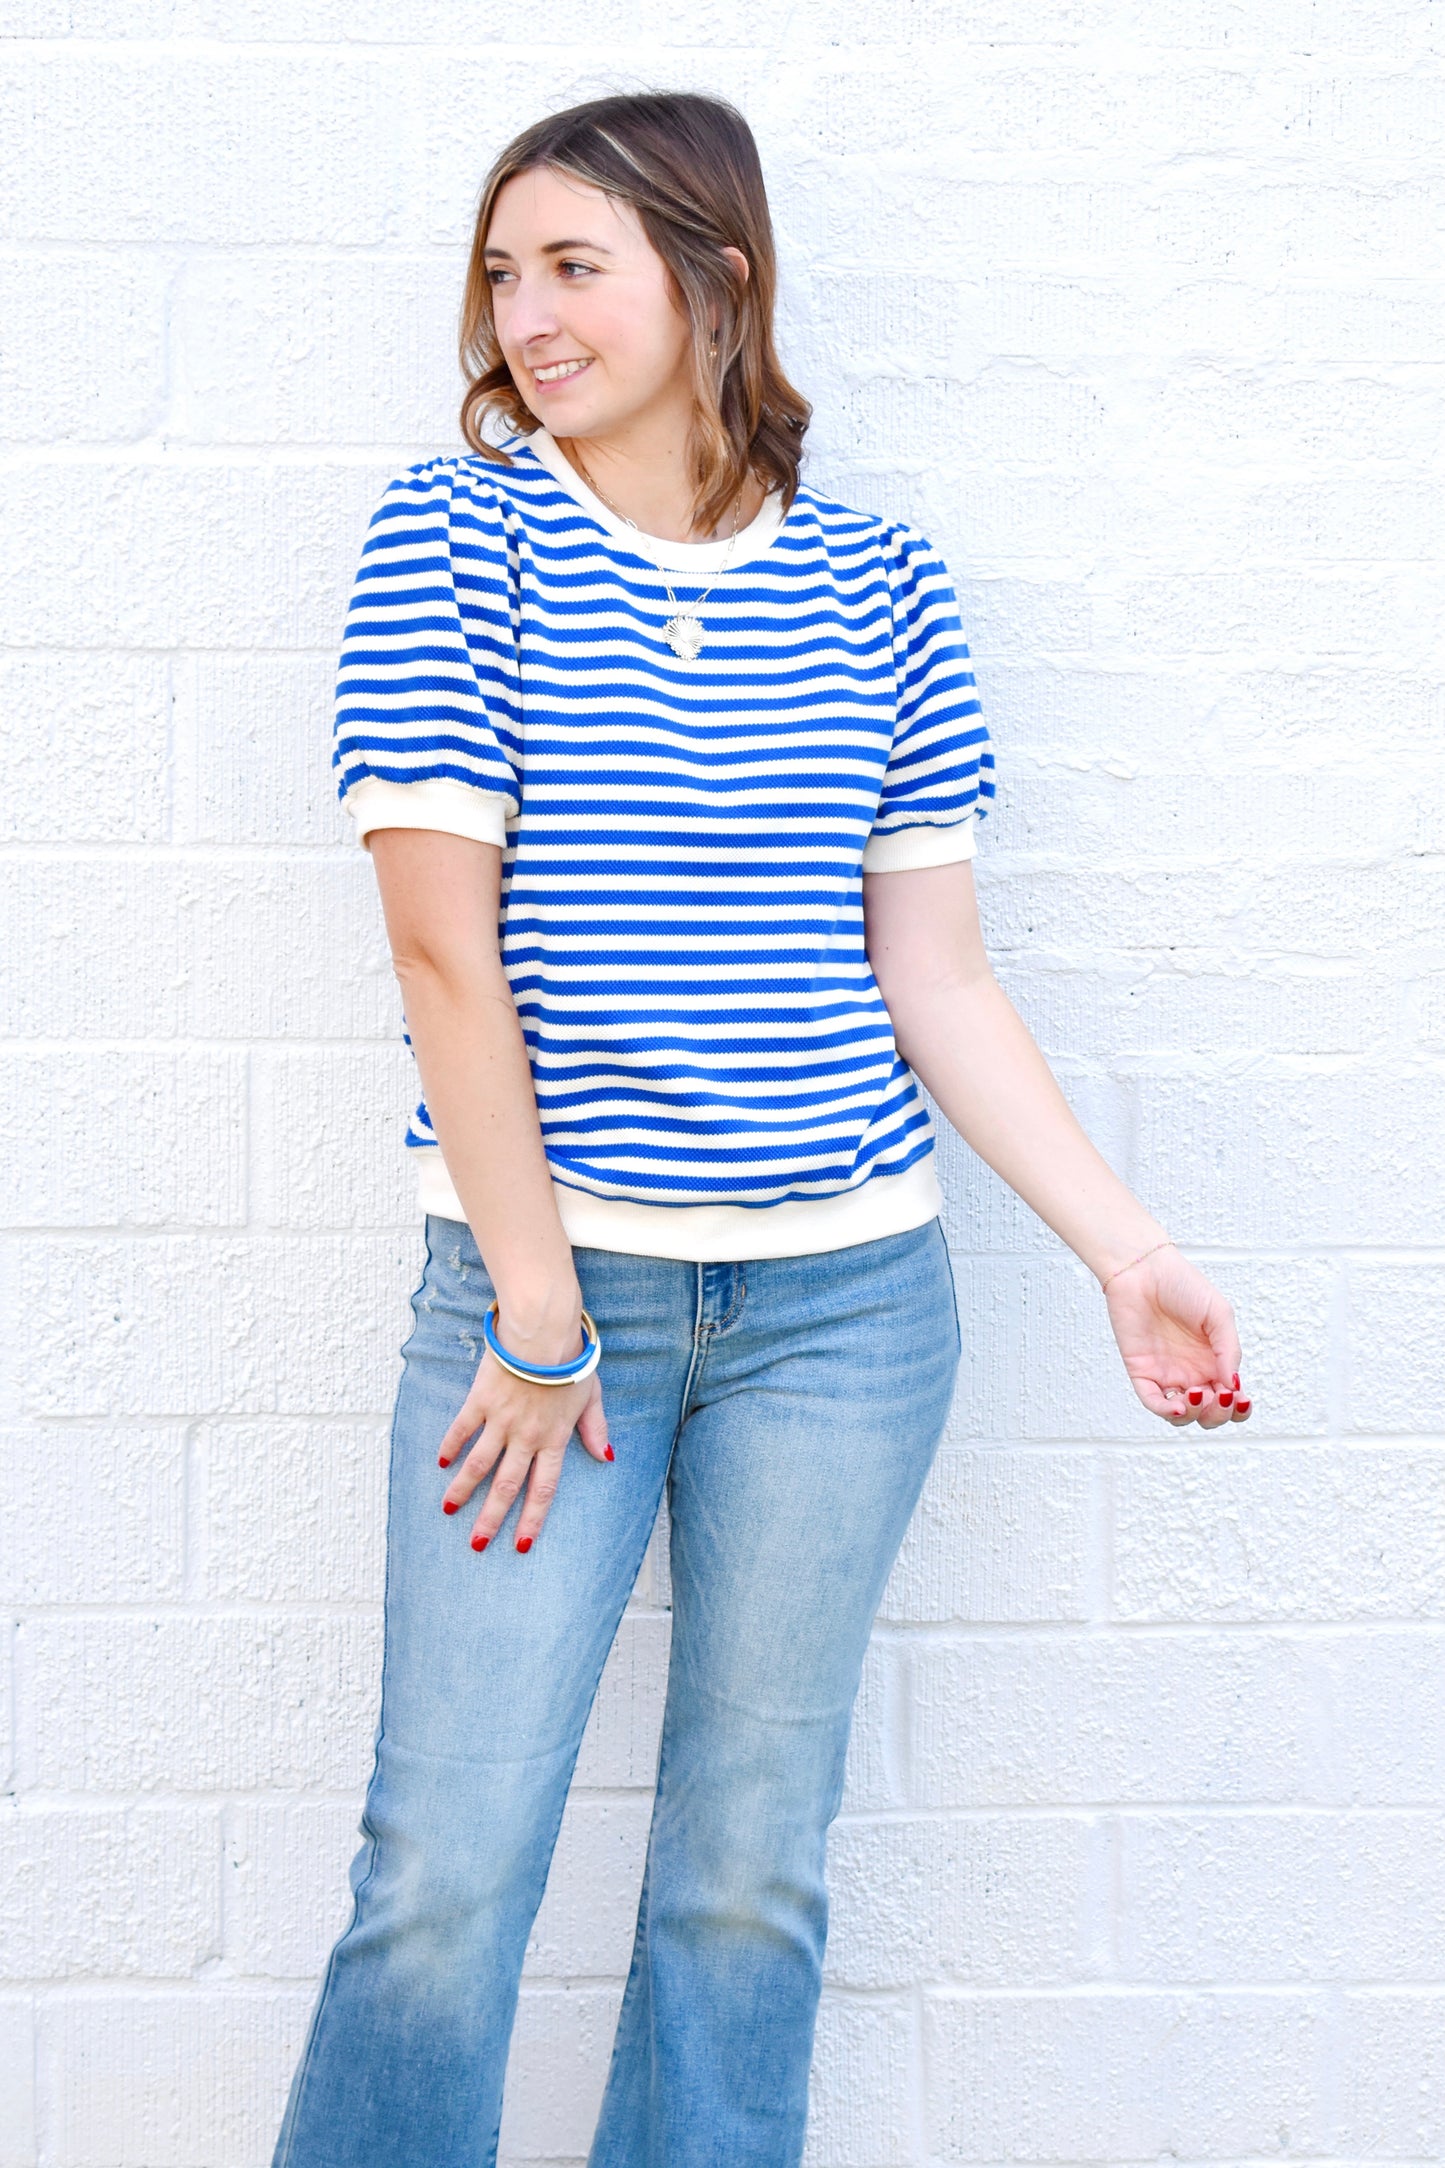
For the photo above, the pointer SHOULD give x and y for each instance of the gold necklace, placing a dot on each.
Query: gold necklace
(683, 630)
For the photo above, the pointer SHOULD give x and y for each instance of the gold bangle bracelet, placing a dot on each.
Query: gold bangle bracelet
(1167, 1244)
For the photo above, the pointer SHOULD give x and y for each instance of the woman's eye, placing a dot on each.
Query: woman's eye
(568, 266)
(496, 275)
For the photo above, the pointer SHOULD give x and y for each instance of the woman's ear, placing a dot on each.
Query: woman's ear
(739, 263)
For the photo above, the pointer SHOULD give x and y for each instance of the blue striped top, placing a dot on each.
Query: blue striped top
(683, 841)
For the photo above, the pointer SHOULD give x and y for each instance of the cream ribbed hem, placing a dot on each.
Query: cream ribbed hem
(889, 1204)
(921, 846)
(436, 802)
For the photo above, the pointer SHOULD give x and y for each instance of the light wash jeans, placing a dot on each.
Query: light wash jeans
(791, 1406)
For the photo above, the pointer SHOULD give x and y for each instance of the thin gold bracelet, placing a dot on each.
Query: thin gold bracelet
(1167, 1244)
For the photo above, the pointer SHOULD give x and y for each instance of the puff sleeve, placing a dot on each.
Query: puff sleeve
(426, 718)
(939, 781)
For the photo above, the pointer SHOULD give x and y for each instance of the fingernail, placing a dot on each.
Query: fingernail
(451, 1505)
(1236, 1381)
(608, 1453)
(1242, 1407)
(479, 1543)
(1196, 1400)
(524, 1543)
(1226, 1400)
(442, 1461)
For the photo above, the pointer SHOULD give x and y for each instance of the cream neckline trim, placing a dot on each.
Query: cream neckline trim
(753, 541)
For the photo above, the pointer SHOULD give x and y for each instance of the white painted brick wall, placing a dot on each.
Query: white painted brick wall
(1139, 309)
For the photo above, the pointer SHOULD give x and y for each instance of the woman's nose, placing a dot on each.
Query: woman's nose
(530, 314)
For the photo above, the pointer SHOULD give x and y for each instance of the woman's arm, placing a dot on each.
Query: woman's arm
(961, 1035)
(440, 894)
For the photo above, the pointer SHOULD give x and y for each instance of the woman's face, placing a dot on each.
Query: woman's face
(584, 317)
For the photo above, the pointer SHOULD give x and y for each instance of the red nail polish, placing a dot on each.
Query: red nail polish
(442, 1461)
(524, 1543)
(1242, 1407)
(1196, 1400)
(479, 1543)
(609, 1454)
(1226, 1400)
(450, 1505)
(1236, 1381)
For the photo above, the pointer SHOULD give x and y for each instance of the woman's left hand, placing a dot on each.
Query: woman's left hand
(1176, 1335)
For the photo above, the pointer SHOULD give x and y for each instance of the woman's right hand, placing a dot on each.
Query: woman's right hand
(525, 1431)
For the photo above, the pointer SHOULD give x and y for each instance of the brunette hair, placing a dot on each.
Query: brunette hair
(689, 167)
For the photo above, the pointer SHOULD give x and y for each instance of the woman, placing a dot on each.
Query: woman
(670, 769)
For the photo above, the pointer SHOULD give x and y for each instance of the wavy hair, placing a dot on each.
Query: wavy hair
(689, 167)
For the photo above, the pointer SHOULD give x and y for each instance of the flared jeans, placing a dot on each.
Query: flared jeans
(790, 1408)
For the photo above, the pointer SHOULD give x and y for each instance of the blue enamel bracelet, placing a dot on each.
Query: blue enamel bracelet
(568, 1373)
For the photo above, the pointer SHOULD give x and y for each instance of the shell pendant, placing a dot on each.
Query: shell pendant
(683, 635)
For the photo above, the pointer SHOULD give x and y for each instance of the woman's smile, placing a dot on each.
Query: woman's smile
(546, 374)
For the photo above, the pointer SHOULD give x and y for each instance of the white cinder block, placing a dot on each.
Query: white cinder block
(290, 1512)
(1124, 2077)
(558, 2066)
(1385, 1690)
(134, 1704)
(92, 1514)
(1237, 419)
(226, 949)
(987, 1900)
(17, 2081)
(1428, 1008)
(123, 147)
(1391, 2075)
(1120, 813)
(1262, 613)
(378, 351)
(107, 1893)
(619, 1746)
(237, 554)
(1228, 1531)
(87, 746)
(330, 1145)
(8, 1635)
(1040, 912)
(253, 751)
(85, 346)
(1260, 1158)
(287, 949)
(1270, 1897)
(862, 2104)
(1392, 1371)
(1064, 1718)
(589, 1911)
(173, 2078)
(286, 1895)
(223, 1326)
(125, 1139)
(60, 974)
(872, 1777)
(998, 1534)
(1148, 1009)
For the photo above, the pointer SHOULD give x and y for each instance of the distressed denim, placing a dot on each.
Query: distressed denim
(790, 1408)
